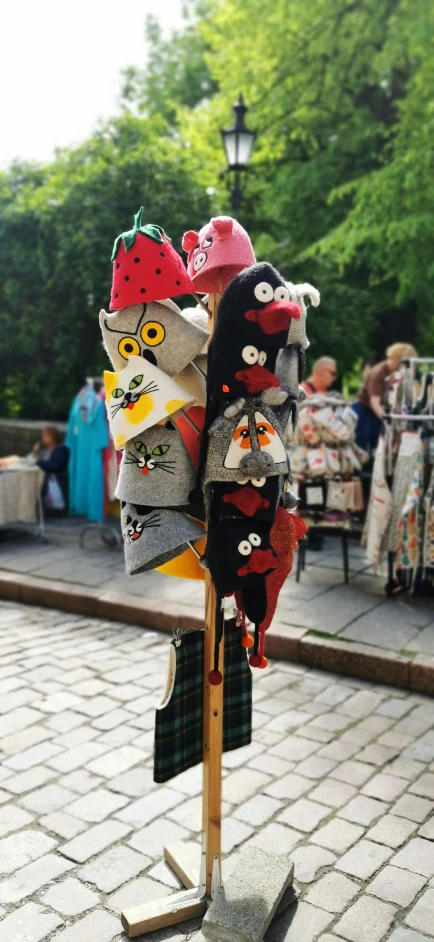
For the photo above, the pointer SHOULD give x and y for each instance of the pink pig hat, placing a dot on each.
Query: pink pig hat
(219, 251)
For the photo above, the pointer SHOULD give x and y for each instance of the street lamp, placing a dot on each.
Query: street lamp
(238, 143)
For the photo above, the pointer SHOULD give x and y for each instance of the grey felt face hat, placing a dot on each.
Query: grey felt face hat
(248, 444)
(156, 331)
(154, 537)
(156, 468)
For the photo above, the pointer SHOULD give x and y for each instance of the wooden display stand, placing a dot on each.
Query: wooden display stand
(200, 879)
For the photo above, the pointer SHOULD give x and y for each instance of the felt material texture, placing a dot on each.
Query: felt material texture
(179, 719)
(146, 267)
(153, 537)
(253, 320)
(247, 445)
(139, 396)
(290, 367)
(156, 468)
(156, 331)
(285, 534)
(239, 553)
(298, 293)
(219, 251)
(190, 436)
(193, 383)
(253, 498)
(187, 565)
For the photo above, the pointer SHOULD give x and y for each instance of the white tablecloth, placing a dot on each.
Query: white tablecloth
(20, 488)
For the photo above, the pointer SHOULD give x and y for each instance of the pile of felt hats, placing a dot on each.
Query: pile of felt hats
(214, 454)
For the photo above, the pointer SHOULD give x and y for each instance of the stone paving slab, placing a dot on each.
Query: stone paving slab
(82, 829)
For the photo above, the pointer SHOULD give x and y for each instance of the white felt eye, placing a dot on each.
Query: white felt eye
(199, 261)
(250, 354)
(244, 481)
(207, 243)
(244, 548)
(254, 539)
(258, 482)
(262, 357)
(281, 293)
(263, 292)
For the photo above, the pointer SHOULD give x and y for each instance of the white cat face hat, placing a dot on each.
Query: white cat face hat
(140, 396)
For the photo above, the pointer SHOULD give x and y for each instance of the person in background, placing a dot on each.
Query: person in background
(369, 406)
(323, 376)
(52, 457)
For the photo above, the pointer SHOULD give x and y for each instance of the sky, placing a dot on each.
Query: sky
(60, 67)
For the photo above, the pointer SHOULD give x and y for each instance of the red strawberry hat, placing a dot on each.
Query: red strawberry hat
(146, 267)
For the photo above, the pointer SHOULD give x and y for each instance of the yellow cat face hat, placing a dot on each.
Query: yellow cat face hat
(140, 396)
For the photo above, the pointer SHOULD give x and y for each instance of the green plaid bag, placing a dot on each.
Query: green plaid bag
(179, 719)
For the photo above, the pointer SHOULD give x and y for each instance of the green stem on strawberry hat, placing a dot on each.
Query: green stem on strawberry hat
(152, 231)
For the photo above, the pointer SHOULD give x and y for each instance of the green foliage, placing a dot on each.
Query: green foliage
(340, 191)
(176, 73)
(57, 226)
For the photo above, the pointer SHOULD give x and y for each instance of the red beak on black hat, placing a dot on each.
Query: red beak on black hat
(275, 316)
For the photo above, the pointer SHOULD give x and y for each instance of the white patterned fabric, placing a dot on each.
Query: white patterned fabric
(19, 495)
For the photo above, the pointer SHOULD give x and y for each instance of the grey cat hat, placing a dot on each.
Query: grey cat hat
(156, 331)
(153, 537)
(156, 468)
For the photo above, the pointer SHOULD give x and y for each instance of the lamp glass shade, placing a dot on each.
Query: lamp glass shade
(238, 146)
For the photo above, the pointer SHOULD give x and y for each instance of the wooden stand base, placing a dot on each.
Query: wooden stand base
(184, 860)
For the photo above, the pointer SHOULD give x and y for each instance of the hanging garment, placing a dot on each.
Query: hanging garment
(428, 543)
(86, 437)
(411, 523)
(179, 718)
(380, 506)
(405, 466)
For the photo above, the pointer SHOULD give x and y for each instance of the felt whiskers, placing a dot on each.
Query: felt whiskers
(130, 397)
(148, 461)
(135, 528)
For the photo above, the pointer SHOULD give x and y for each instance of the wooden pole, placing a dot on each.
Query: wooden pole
(181, 906)
(212, 714)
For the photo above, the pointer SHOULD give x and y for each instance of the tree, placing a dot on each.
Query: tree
(340, 93)
(57, 226)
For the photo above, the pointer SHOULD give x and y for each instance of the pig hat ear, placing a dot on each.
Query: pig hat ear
(223, 225)
(190, 240)
(307, 290)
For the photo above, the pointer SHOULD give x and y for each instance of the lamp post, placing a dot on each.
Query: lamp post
(238, 143)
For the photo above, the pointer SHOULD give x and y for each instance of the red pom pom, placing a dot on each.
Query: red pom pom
(258, 660)
(246, 641)
(215, 678)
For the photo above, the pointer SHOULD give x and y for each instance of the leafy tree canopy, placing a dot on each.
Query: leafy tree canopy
(340, 191)
(57, 226)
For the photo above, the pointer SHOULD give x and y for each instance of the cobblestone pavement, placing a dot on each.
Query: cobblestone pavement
(340, 774)
(319, 605)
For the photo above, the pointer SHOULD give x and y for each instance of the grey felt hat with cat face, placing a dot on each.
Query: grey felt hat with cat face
(156, 331)
(156, 468)
(246, 445)
(154, 537)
